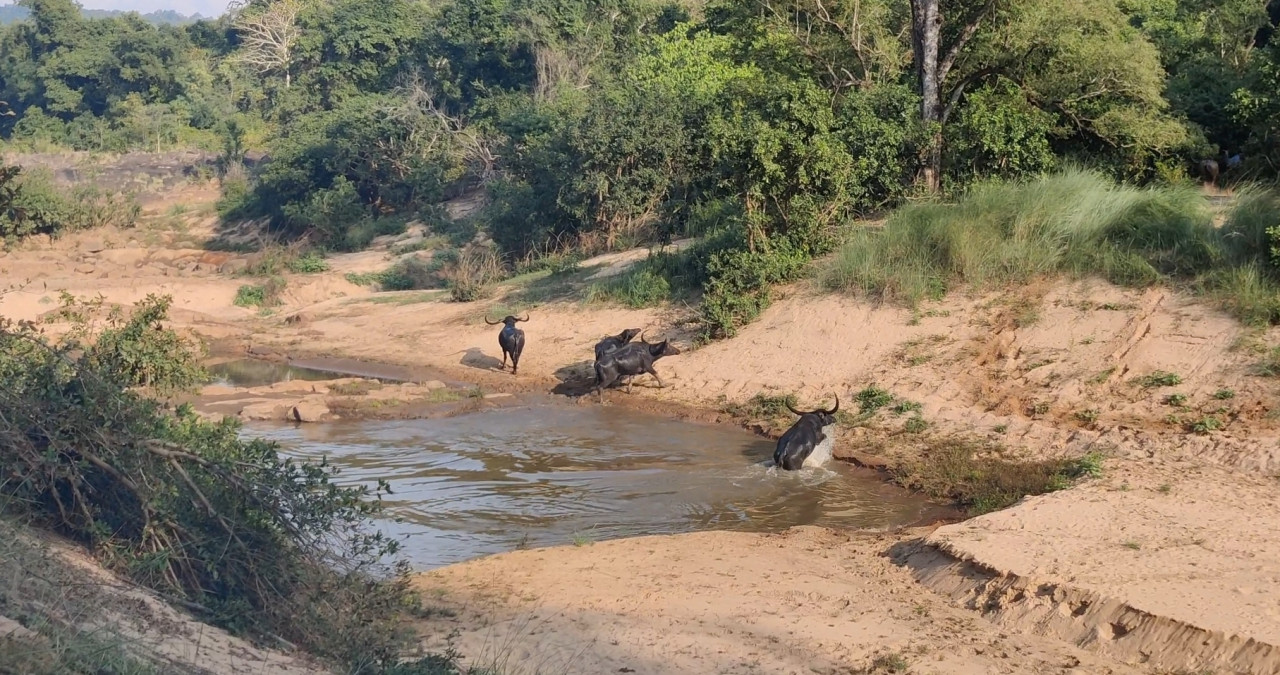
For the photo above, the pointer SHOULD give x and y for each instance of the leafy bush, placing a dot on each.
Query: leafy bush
(260, 295)
(257, 543)
(34, 204)
(311, 262)
(738, 287)
(134, 350)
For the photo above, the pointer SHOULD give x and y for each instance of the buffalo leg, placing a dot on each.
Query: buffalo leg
(654, 373)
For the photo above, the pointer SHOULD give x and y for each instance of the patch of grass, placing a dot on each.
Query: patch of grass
(1158, 378)
(890, 663)
(582, 539)
(1075, 223)
(311, 262)
(1269, 365)
(1132, 545)
(260, 295)
(1165, 489)
(764, 407)
(915, 425)
(1205, 425)
(1224, 394)
(873, 398)
(904, 406)
(359, 388)
(474, 274)
(1102, 376)
(1088, 415)
(635, 288)
(1038, 409)
(981, 479)
(1000, 428)
(1178, 400)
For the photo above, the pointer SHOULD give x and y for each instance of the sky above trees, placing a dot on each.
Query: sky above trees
(203, 7)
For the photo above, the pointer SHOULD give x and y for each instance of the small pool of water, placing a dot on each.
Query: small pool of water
(503, 479)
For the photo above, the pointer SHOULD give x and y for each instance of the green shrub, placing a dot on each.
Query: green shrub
(254, 542)
(311, 262)
(260, 295)
(738, 286)
(34, 204)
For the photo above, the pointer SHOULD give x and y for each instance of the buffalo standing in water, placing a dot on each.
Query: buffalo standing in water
(808, 442)
(511, 339)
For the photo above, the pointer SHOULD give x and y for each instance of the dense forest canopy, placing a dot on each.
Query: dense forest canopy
(602, 123)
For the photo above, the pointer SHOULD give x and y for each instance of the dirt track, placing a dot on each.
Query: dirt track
(1165, 563)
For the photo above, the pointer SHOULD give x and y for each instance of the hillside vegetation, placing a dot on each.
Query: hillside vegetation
(759, 127)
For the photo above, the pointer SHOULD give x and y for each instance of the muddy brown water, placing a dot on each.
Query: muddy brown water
(544, 475)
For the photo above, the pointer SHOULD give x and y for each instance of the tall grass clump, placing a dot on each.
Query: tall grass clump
(260, 544)
(1073, 222)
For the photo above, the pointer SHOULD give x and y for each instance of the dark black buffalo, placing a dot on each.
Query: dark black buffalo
(615, 341)
(1209, 171)
(629, 360)
(511, 339)
(807, 439)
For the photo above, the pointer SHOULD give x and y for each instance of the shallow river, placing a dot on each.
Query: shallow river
(508, 478)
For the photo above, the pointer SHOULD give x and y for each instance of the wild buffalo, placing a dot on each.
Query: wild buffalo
(808, 442)
(615, 341)
(630, 360)
(511, 339)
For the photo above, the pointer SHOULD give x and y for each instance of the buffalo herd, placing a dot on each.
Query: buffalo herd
(619, 358)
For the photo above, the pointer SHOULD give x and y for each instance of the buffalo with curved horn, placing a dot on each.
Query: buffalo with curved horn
(613, 342)
(511, 339)
(629, 361)
(808, 442)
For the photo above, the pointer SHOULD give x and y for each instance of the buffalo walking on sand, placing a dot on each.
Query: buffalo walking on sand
(511, 339)
(629, 360)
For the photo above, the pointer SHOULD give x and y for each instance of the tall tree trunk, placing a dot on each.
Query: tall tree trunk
(926, 27)
(932, 69)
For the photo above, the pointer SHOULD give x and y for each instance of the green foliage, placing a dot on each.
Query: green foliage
(873, 398)
(264, 295)
(981, 480)
(311, 262)
(34, 204)
(264, 545)
(1158, 378)
(638, 287)
(134, 350)
(1068, 223)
